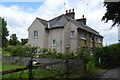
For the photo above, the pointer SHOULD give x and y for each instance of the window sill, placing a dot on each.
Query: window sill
(35, 38)
(83, 38)
(72, 38)
(99, 42)
(53, 45)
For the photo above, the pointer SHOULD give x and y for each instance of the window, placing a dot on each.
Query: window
(72, 34)
(96, 39)
(83, 36)
(91, 38)
(53, 42)
(91, 51)
(35, 34)
(99, 41)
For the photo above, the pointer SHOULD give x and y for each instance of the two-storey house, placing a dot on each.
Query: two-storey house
(63, 33)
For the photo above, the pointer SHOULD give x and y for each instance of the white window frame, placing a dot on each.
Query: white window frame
(72, 34)
(99, 40)
(83, 36)
(35, 34)
(53, 43)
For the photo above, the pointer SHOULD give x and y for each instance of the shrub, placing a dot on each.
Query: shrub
(20, 50)
(110, 55)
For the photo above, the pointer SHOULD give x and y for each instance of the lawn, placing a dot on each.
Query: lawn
(8, 66)
(37, 73)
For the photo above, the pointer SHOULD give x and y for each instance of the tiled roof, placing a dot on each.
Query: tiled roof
(61, 20)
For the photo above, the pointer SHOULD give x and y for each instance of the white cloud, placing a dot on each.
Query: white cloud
(17, 20)
(20, 19)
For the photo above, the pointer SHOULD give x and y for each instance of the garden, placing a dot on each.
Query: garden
(101, 58)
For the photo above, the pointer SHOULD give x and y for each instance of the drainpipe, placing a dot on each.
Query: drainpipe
(93, 41)
(61, 39)
(50, 35)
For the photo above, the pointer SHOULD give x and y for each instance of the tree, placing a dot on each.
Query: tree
(3, 32)
(113, 12)
(13, 40)
(24, 41)
(0, 32)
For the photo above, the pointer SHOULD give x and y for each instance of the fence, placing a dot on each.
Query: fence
(65, 65)
(56, 63)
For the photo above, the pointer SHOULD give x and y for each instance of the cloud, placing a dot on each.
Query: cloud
(19, 18)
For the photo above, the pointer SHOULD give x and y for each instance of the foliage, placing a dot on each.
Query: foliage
(110, 55)
(22, 51)
(3, 32)
(24, 41)
(47, 53)
(6, 53)
(0, 32)
(13, 40)
(112, 12)
(98, 54)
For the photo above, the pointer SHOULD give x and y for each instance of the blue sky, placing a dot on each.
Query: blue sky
(20, 15)
(25, 5)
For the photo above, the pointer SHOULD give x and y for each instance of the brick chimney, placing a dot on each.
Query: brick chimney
(83, 20)
(71, 13)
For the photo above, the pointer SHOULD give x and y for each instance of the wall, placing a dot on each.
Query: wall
(37, 26)
(73, 64)
(58, 35)
(87, 42)
(71, 42)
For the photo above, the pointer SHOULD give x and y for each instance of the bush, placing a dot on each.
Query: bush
(110, 56)
(20, 50)
(97, 54)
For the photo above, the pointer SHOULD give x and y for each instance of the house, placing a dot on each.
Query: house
(63, 33)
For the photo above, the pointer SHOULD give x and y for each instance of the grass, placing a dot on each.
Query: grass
(9, 66)
(37, 73)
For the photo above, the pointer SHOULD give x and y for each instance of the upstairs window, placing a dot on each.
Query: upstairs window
(83, 36)
(72, 34)
(91, 38)
(96, 40)
(99, 41)
(35, 34)
(53, 42)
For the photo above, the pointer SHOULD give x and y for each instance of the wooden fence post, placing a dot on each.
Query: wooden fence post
(67, 69)
(30, 70)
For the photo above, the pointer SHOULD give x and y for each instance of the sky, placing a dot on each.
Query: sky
(20, 15)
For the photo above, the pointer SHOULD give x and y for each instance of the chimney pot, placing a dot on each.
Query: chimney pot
(69, 10)
(82, 16)
(72, 10)
(66, 11)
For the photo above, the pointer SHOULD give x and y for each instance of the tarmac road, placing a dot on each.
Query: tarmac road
(113, 74)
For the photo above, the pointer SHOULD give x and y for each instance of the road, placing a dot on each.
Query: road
(111, 74)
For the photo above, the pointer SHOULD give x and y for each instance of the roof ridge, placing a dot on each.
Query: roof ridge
(41, 19)
(56, 17)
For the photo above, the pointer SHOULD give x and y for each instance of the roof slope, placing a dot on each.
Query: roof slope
(61, 20)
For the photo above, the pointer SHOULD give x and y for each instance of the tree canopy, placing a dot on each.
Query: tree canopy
(13, 40)
(24, 41)
(112, 12)
(3, 32)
